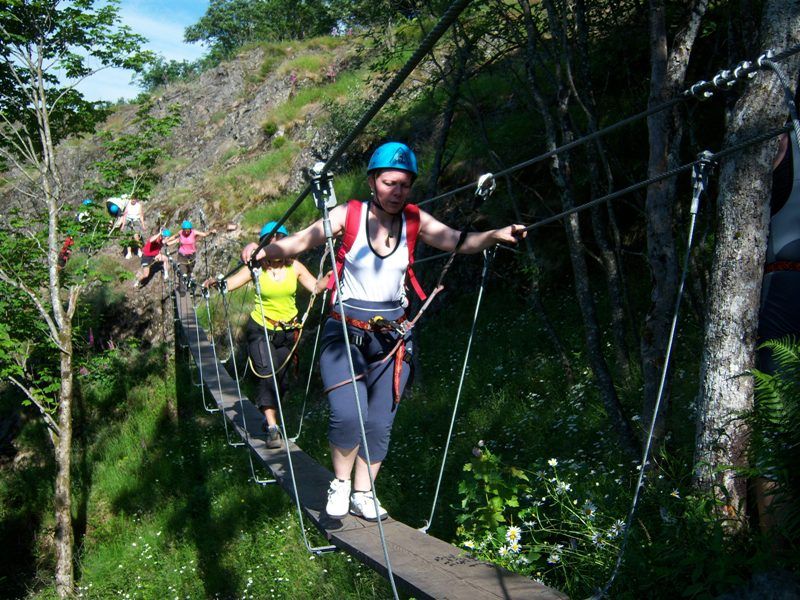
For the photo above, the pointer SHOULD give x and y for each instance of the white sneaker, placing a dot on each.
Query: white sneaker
(338, 498)
(128, 255)
(362, 504)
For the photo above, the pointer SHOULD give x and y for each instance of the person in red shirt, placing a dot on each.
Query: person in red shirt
(152, 258)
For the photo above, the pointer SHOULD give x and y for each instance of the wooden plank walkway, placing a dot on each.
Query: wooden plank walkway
(423, 565)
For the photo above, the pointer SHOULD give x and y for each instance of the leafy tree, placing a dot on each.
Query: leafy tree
(41, 41)
(229, 24)
(162, 71)
(129, 166)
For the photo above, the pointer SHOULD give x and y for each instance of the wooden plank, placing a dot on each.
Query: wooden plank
(424, 565)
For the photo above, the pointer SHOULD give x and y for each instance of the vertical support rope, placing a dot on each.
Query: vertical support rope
(199, 362)
(255, 273)
(223, 293)
(329, 240)
(487, 259)
(216, 365)
(311, 365)
(699, 180)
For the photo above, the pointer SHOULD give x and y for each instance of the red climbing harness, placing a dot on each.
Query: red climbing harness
(351, 225)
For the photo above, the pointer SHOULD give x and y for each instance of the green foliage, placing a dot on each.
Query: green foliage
(775, 420)
(536, 523)
(45, 42)
(132, 158)
(227, 25)
(269, 128)
(161, 72)
(168, 507)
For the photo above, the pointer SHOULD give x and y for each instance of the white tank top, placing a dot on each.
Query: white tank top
(368, 276)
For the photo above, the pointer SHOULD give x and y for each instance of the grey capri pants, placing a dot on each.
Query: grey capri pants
(375, 391)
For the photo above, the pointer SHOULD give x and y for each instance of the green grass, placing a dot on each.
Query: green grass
(169, 508)
(312, 95)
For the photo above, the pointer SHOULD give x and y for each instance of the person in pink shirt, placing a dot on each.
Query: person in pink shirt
(187, 250)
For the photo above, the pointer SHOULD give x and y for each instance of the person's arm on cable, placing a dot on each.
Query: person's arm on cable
(232, 282)
(305, 239)
(435, 233)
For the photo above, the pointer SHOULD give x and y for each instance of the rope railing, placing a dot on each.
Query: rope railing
(722, 81)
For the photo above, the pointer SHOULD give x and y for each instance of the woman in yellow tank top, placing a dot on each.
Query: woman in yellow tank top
(276, 308)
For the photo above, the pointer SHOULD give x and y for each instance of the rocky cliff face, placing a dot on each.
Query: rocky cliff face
(223, 112)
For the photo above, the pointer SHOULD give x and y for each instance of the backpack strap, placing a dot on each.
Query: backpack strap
(411, 213)
(351, 222)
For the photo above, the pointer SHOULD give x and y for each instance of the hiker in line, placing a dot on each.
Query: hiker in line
(153, 258)
(187, 250)
(133, 221)
(277, 303)
(778, 316)
(379, 238)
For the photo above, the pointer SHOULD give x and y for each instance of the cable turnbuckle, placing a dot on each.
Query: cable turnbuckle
(322, 186)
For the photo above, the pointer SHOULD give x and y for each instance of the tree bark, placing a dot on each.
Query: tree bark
(63, 488)
(667, 76)
(733, 302)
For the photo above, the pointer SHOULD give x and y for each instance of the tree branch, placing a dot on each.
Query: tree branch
(47, 418)
(37, 303)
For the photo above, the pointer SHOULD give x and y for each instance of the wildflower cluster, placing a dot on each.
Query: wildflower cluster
(540, 524)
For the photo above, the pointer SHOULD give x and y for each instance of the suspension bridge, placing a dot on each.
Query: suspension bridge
(422, 564)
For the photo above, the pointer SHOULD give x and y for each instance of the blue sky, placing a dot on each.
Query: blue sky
(160, 22)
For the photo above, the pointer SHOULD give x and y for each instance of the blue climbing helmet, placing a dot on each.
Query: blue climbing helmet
(166, 233)
(393, 155)
(113, 209)
(86, 202)
(269, 227)
(186, 224)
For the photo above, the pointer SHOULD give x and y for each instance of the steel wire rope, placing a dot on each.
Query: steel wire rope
(311, 366)
(335, 274)
(487, 259)
(226, 316)
(427, 44)
(256, 273)
(199, 360)
(699, 180)
(723, 80)
(213, 345)
(637, 186)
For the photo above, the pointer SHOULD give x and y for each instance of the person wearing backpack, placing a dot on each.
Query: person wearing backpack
(379, 236)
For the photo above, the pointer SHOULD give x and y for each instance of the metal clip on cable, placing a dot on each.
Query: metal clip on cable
(322, 186)
(487, 184)
(700, 173)
(222, 284)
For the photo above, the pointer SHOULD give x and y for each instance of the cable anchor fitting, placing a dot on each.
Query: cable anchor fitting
(487, 184)
(322, 186)
(700, 172)
(222, 284)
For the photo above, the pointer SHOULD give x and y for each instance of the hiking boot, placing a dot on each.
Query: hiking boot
(274, 438)
(338, 499)
(362, 505)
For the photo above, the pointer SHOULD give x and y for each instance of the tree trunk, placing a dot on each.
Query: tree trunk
(63, 488)
(735, 288)
(667, 76)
